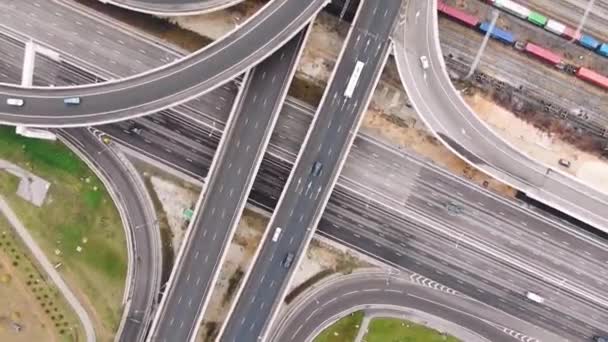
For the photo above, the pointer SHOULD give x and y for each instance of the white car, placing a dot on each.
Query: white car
(534, 297)
(425, 62)
(277, 232)
(14, 102)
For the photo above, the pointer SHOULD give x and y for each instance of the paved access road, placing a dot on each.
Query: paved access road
(459, 128)
(175, 83)
(173, 7)
(141, 229)
(306, 194)
(339, 296)
(229, 181)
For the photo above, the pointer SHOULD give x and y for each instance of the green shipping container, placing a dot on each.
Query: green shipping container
(537, 19)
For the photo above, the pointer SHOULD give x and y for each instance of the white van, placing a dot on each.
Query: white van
(277, 232)
(14, 102)
(534, 297)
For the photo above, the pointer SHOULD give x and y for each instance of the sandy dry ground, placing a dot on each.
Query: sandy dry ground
(587, 167)
(17, 305)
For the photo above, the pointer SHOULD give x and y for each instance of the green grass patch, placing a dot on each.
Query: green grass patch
(78, 219)
(344, 330)
(397, 330)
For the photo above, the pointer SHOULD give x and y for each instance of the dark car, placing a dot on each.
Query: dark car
(288, 260)
(317, 167)
(600, 338)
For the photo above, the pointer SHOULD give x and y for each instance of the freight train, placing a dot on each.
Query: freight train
(534, 50)
(551, 25)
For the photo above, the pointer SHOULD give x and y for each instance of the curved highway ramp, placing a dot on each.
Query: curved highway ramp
(173, 84)
(458, 127)
(173, 7)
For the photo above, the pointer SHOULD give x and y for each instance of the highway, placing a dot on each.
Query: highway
(525, 223)
(457, 126)
(165, 86)
(229, 181)
(307, 191)
(139, 218)
(348, 214)
(173, 7)
(375, 290)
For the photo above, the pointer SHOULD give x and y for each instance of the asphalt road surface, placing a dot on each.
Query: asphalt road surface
(145, 272)
(188, 142)
(304, 197)
(219, 210)
(373, 290)
(175, 83)
(459, 128)
(173, 7)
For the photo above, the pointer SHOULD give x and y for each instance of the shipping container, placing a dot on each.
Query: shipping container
(570, 33)
(543, 54)
(588, 42)
(555, 27)
(603, 49)
(458, 15)
(497, 33)
(592, 77)
(513, 8)
(537, 19)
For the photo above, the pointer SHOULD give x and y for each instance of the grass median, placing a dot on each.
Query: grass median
(397, 330)
(344, 330)
(78, 225)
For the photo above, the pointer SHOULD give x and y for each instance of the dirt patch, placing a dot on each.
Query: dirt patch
(238, 259)
(31, 308)
(174, 200)
(539, 144)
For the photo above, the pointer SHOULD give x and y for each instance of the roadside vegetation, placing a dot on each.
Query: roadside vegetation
(344, 330)
(397, 330)
(31, 308)
(78, 225)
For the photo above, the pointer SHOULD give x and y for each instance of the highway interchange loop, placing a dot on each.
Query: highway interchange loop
(59, 90)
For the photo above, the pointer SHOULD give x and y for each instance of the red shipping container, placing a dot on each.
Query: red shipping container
(458, 15)
(592, 77)
(570, 33)
(543, 54)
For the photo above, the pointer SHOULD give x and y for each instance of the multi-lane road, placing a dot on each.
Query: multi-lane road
(315, 172)
(458, 127)
(403, 295)
(173, 7)
(375, 239)
(570, 246)
(230, 179)
(174, 83)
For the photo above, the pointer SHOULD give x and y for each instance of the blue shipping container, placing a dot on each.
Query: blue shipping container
(603, 50)
(589, 42)
(497, 33)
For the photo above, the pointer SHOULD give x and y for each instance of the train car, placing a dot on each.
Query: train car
(588, 42)
(592, 77)
(537, 19)
(544, 55)
(603, 49)
(457, 15)
(555, 27)
(513, 8)
(570, 33)
(497, 33)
